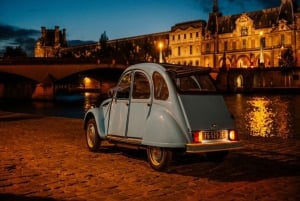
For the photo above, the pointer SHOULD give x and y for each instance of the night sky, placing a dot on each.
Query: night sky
(86, 20)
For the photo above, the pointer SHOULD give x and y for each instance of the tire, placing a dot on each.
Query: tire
(159, 158)
(92, 136)
(217, 156)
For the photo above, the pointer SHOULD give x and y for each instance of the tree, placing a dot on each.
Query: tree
(14, 52)
(106, 52)
(287, 58)
(103, 40)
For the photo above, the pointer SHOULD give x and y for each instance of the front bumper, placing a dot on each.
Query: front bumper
(210, 147)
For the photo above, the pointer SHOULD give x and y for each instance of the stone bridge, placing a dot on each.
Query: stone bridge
(41, 72)
(40, 81)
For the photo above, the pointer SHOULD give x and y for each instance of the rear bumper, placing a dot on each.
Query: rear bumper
(210, 147)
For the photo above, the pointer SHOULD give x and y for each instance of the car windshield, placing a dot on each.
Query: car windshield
(191, 79)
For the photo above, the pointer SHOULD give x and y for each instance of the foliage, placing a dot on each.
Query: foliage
(14, 52)
(103, 40)
(125, 52)
(287, 58)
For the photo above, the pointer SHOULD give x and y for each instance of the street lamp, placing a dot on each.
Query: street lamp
(160, 46)
(261, 56)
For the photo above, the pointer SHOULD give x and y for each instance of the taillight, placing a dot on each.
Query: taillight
(197, 136)
(233, 135)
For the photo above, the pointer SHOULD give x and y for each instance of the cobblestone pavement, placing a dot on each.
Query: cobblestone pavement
(45, 158)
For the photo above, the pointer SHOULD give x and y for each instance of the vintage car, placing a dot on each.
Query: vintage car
(164, 108)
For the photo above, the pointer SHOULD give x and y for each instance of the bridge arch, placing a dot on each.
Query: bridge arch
(239, 81)
(39, 72)
(16, 86)
(97, 80)
(42, 81)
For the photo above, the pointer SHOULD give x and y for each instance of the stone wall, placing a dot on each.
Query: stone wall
(256, 79)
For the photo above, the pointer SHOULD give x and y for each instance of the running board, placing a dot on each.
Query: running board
(125, 141)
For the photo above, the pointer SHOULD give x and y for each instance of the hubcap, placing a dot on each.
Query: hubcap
(156, 154)
(90, 135)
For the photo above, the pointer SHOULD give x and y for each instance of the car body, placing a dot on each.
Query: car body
(164, 108)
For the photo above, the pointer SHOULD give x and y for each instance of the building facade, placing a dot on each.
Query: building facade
(252, 39)
(51, 42)
(185, 43)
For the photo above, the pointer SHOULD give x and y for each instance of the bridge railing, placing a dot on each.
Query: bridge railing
(33, 60)
(38, 61)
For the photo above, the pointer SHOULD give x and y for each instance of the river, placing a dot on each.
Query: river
(256, 115)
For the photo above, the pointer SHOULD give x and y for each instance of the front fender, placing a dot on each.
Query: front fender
(163, 130)
(99, 114)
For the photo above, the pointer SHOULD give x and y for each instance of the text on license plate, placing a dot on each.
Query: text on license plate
(214, 135)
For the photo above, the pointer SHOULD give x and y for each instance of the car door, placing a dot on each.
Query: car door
(117, 124)
(140, 105)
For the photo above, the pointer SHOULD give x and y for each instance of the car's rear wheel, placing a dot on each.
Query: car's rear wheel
(158, 157)
(92, 136)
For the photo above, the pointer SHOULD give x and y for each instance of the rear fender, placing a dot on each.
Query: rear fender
(162, 130)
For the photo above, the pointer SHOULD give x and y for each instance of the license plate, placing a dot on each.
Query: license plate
(214, 135)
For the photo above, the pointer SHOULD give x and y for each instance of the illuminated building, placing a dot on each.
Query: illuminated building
(185, 43)
(50, 43)
(250, 39)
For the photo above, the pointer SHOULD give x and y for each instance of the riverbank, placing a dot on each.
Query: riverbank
(45, 158)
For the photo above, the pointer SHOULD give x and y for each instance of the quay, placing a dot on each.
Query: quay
(17, 80)
(45, 158)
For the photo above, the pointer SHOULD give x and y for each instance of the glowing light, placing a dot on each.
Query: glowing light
(261, 57)
(268, 117)
(87, 81)
(233, 135)
(160, 46)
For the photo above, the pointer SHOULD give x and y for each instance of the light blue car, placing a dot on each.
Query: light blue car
(164, 108)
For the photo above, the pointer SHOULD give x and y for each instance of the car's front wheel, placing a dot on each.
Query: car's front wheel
(92, 136)
(158, 157)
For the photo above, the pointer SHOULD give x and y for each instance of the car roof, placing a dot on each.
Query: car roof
(173, 69)
(180, 70)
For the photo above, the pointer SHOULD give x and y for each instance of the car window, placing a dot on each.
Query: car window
(141, 86)
(161, 91)
(189, 82)
(194, 83)
(123, 88)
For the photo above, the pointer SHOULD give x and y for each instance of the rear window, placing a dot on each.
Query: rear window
(189, 79)
(194, 83)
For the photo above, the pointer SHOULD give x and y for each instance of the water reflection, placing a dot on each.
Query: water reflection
(256, 115)
(91, 99)
(267, 117)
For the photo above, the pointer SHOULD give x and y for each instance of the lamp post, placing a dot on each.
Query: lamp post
(160, 46)
(261, 55)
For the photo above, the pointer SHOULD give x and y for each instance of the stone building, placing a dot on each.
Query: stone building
(251, 39)
(51, 42)
(185, 42)
(244, 40)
